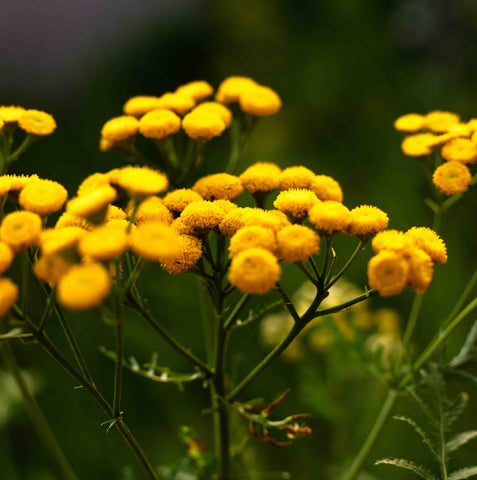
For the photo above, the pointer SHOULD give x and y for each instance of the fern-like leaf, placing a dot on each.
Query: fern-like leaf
(463, 473)
(424, 437)
(455, 410)
(467, 349)
(419, 470)
(460, 439)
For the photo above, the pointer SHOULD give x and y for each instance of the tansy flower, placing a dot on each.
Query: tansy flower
(189, 252)
(261, 177)
(367, 220)
(6, 257)
(121, 224)
(388, 273)
(472, 124)
(115, 213)
(92, 182)
(330, 217)
(105, 145)
(254, 236)
(8, 295)
(460, 150)
(36, 122)
(390, 240)
(260, 101)
(231, 88)
(418, 145)
(140, 105)
(159, 124)
(43, 197)
(296, 177)
(177, 200)
(225, 205)
(272, 219)
(2, 123)
(202, 216)
(202, 124)
(410, 123)
(141, 181)
(179, 103)
(183, 229)
(84, 287)
(69, 220)
(428, 241)
(155, 242)
(5, 184)
(440, 122)
(119, 129)
(51, 268)
(214, 107)
(153, 210)
(420, 270)
(198, 90)
(60, 240)
(295, 202)
(20, 230)
(460, 130)
(11, 114)
(19, 182)
(93, 204)
(233, 221)
(326, 188)
(452, 178)
(219, 186)
(440, 140)
(104, 243)
(296, 243)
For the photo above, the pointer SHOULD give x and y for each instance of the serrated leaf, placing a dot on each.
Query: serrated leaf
(424, 437)
(460, 439)
(419, 470)
(463, 473)
(455, 410)
(467, 349)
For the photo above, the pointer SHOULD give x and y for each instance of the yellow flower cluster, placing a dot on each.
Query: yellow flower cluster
(33, 122)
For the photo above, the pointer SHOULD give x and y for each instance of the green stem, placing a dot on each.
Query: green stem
(359, 248)
(118, 375)
(25, 279)
(27, 141)
(236, 311)
(339, 308)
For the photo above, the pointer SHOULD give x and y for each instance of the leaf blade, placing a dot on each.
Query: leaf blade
(411, 466)
(463, 473)
(460, 439)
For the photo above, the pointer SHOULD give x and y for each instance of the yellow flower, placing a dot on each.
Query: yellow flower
(190, 250)
(104, 243)
(428, 241)
(92, 204)
(19, 182)
(219, 186)
(296, 243)
(5, 185)
(472, 124)
(295, 202)
(115, 213)
(184, 229)
(254, 271)
(153, 210)
(141, 181)
(460, 150)
(43, 197)
(92, 182)
(388, 273)
(261, 177)
(50, 268)
(452, 178)
(69, 220)
(159, 124)
(105, 145)
(254, 236)
(440, 122)
(330, 217)
(420, 270)
(36, 122)
(225, 205)
(198, 89)
(296, 177)
(418, 145)
(217, 108)
(20, 230)
(177, 200)
(272, 219)
(410, 123)
(8, 295)
(11, 114)
(440, 140)
(390, 240)
(367, 220)
(233, 221)
(6, 257)
(84, 287)
(179, 103)
(119, 129)
(2, 123)
(140, 105)
(231, 88)
(155, 242)
(326, 188)
(202, 216)
(260, 101)
(59, 240)
(203, 124)
(460, 130)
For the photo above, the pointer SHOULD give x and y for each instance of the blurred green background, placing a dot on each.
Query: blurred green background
(345, 70)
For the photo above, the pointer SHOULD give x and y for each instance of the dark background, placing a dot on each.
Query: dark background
(345, 70)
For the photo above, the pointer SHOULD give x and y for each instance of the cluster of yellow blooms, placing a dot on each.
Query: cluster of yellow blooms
(442, 132)
(33, 122)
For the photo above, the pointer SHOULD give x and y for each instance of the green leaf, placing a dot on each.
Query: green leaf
(467, 349)
(455, 410)
(460, 439)
(463, 473)
(424, 437)
(406, 464)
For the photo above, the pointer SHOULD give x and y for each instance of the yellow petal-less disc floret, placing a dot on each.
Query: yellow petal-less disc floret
(177, 200)
(60, 240)
(84, 286)
(253, 236)
(254, 271)
(190, 250)
(6, 257)
(225, 205)
(330, 217)
(232, 88)
(233, 221)
(367, 220)
(51, 268)
(390, 240)
(141, 181)
(119, 129)
(104, 243)
(92, 182)
(296, 177)
(5, 185)
(452, 178)
(261, 177)
(69, 220)
(460, 150)
(420, 270)
(198, 89)
(388, 273)
(19, 182)
(179, 103)
(2, 123)
(20, 230)
(428, 241)
(43, 197)
(295, 202)
(159, 124)
(218, 186)
(36, 122)
(93, 203)
(272, 219)
(260, 101)
(440, 122)
(155, 242)
(11, 114)
(8, 295)
(140, 105)
(296, 243)
(153, 210)
(115, 213)
(418, 145)
(410, 123)
(203, 125)
(202, 216)
(217, 108)
(326, 188)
